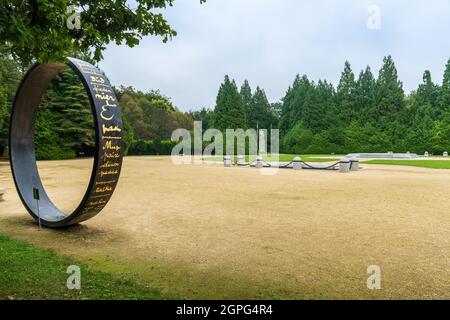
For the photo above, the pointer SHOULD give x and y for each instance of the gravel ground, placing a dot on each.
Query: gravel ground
(205, 231)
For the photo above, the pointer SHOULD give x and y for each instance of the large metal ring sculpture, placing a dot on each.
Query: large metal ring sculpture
(109, 143)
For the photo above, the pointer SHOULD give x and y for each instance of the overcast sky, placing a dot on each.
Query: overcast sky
(268, 42)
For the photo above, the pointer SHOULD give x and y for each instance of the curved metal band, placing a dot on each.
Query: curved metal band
(108, 138)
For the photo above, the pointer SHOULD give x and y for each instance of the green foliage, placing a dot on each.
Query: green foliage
(204, 115)
(367, 114)
(434, 164)
(3, 103)
(247, 101)
(260, 113)
(65, 124)
(151, 147)
(32, 273)
(151, 115)
(128, 135)
(297, 140)
(48, 143)
(10, 76)
(37, 29)
(229, 112)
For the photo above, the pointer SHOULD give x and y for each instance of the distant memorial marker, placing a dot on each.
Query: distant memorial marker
(262, 142)
(109, 143)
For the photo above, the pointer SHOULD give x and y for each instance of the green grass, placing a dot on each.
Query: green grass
(433, 164)
(27, 272)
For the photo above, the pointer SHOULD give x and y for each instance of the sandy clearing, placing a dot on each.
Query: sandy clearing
(204, 231)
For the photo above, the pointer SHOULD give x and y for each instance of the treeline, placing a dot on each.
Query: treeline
(363, 114)
(65, 125)
(10, 75)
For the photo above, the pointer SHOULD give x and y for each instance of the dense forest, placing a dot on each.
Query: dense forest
(364, 113)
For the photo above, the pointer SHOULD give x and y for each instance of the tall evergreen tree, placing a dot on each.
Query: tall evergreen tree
(365, 95)
(260, 111)
(73, 120)
(229, 112)
(389, 94)
(292, 110)
(319, 109)
(346, 95)
(3, 103)
(426, 102)
(247, 95)
(390, 114)
(444, 96)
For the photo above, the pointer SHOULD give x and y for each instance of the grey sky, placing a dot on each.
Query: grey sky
(268, 42)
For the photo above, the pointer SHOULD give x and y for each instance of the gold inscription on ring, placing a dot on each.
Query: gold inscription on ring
(110, 129)
(109, 146)
(101, 183)
(95, 79)
(110, 164)
(97, 203)
(111, 138)
(100, 89)
(103, 189)
(108, 173)
(112, 155)
(105, 97)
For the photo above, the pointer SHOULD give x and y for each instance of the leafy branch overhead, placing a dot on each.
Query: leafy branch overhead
(36, 30)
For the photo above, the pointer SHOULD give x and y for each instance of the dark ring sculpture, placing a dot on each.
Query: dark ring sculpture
(109, 143)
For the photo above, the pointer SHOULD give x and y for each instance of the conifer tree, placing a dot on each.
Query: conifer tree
(229, 112)
(444, 96)
(365, 95)
(346, 95)
(260, 111)
(389, 95)
(247, 95)
(426, 102)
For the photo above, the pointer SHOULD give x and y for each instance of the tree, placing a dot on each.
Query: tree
(444, 96)
(297, 140)
(66, 108)
(277, 107)
(426, 102)
(319, 108)
(38, 29)
(134, 114)
(229, 112)
(346, 95)
(260, 113)
(150, 115)
(3, 103)
(247, 97)
(204, 115)
(10, 75)
(292, 110)
(389, 95)
(365, 95)
(390, 114)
